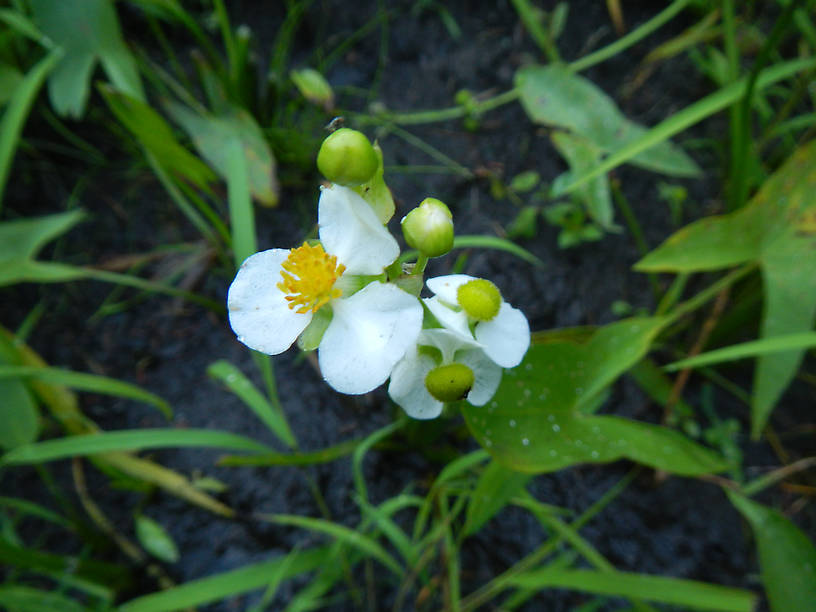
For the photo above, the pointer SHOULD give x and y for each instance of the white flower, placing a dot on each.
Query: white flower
(408, 388)
(505, 337)
(276, 292)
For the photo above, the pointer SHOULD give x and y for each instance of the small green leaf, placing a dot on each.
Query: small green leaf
(582, 155)
(525, 181)
(22, 239)
(155, 540)
(525, 224)
(553, 95)
(786, 556)
(29, 599)
(87, 31)
(212, 133)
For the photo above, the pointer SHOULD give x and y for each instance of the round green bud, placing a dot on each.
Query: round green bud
(429, 228)
(347, 158)
(449, 383)
(480, 299)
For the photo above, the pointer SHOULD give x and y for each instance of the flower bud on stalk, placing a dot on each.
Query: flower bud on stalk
(429, 228)
(347, 158)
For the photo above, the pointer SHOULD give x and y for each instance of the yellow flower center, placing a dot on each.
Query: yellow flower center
(309, 274)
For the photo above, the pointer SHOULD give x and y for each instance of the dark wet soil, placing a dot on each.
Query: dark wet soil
(677, 527)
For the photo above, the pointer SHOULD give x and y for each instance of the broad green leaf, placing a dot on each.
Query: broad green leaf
(535, 422)
(87, 382)
(777, 229)
(787, 557)
(554, 95)
(87, 31)
(22, 239)
(128, 440)
(675, 591)
(155, 540)
(582, 155)
(227, 584)
(156, 136)
(30, 599)
(19, 105)
(496, 487)
(211, 135)
(241, 386)
(19, 416)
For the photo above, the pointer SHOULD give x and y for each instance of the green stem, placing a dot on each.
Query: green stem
(421, 262)
(630, 39)
(444, 114)
(636, 231)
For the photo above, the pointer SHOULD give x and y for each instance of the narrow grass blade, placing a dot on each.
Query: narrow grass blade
(343, 534)
(129, 440)
(88, 382)
(242, 216)
(227, 584)
(17, 110)
(324, 455)
(19, 597)
(674, 591)
(486, 242)
(241, 386)
(692, 114)
(23, 506)
(774, 344)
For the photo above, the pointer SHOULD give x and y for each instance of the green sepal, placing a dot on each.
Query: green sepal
(310, 339)
(376, 192)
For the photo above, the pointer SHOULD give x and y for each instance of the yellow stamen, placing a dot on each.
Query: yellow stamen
(309, 274)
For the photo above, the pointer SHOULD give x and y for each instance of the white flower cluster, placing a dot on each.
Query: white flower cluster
(369, 329)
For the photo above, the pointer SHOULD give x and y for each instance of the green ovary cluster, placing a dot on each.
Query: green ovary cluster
(480, 299)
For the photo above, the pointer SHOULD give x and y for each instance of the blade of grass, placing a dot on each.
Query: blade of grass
(361, 450)
(343, 534)
(676, 591)
(88, 382)
(129, 440)
(485, 242)
(774, 344)
(227, 584)
(241, 386)
(690, 115)
(324, 455)
(17, 110)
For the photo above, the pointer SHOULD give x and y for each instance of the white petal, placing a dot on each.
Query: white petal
(486, 374)
(369, 333)
(445, 287)
(506, 337)
(454, 320)
(258, 313)
(407, 386)
(447, 342)
(350, 229)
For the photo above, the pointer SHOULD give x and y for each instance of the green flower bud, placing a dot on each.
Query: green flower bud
(347, 158)
(429, 228)
(313, 87)
(449, 383)
(480, 299)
